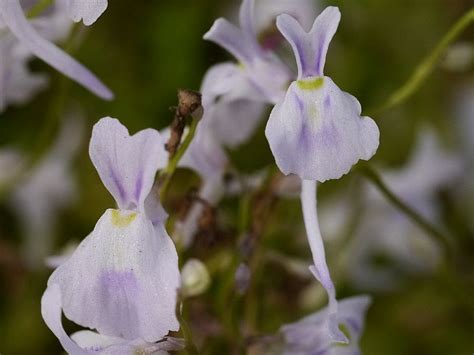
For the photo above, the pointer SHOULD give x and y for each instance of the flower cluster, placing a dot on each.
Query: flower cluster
(127, 281)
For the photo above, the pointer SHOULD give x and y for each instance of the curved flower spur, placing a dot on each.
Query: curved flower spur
(13, 17)
(122, 280)
(317, 133)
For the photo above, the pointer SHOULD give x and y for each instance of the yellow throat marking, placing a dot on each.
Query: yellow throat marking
(122, 220)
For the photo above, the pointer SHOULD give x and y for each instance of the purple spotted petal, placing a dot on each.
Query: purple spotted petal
(13, 16)
(310, 48)
(126, 164)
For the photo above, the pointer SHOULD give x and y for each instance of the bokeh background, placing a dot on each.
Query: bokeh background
(145, 51)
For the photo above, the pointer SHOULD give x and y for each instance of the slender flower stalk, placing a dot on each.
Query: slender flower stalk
(168, 172)
(320, 269)
(426, 67)
(372, 175)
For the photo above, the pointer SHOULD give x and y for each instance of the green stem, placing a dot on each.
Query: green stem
(169, 171)
(426, 67)
(187, 334)
(375, 178)
(38, 8)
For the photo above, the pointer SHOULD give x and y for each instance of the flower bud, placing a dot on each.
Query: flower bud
(195, 278)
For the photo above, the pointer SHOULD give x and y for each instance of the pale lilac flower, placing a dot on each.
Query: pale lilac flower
(42, 193)
(234, 96)
(310, 335)
(122, 280)
(261, 74)
(317, 133)
(86, 342)
(86, 10)
(14, 19)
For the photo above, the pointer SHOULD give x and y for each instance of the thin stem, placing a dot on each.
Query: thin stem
(188, 338)
(424, 69)
(169, 171)
(38, 8)
(377, 180)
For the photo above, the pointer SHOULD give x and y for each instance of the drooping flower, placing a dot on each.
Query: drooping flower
(43, 192)
(87, 11)
(316, 132)
(309, 335)
(122, 280)
(13, 17)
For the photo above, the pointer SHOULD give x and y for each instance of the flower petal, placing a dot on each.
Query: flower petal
(122, 279)
(93, 341)
(234, 122)
(317, 133)
(51, 311)
(309, 335)
(13, 16)
(205, 154)
(304, 11)
(126, 164)
(87, 11)
(310, 48)
(247, 25)
(241, 42)
(231, 38)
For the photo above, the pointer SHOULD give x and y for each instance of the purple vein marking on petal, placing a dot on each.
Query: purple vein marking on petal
(319, 70)
(119, 280)
(354, 324)
(138, 186)
(302, 57)
(327, 102)
(328, 135)
(117, 183)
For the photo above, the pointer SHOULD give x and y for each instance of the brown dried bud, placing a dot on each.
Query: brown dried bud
(189, 103)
